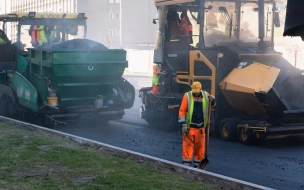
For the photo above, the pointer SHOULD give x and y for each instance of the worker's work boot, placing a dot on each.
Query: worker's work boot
(186, 164)
(196, 165)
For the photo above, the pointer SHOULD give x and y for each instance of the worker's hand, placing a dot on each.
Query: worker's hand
(213, 102)
(185, 129)
(212, 98)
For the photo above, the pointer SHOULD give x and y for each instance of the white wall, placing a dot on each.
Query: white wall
(292, 49)
(140, 61)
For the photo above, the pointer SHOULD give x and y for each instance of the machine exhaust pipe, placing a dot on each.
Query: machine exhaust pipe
(262, 44)
(261, 20)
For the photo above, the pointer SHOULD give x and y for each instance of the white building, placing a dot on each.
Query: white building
(12, 6)
(4, 8)
(66, 6)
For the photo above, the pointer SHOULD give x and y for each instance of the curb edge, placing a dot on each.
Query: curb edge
(120, 152)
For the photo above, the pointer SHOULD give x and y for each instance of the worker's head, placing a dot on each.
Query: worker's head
(184, 14)
(72, 30)
(196, 87)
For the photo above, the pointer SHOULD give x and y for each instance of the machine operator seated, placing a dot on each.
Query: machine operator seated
(3, 38)
(44, 35)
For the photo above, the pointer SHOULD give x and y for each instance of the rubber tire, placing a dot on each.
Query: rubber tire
(3, 106)
(231, 129)
(251, 138)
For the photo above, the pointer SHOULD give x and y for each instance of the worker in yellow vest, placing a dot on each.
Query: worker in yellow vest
(43, 35)
(43, 39)
(193, 119)
(3, 38)
(155, 79)
(54, 35)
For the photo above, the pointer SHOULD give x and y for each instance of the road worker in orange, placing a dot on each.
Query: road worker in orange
(190, 29)
(3, 38)
(37, 32)
(184, 23)
(193, 119)
(172, 28)
(186, 26)
(155, 79)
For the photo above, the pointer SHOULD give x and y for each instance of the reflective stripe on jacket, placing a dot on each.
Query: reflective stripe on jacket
(187, 107)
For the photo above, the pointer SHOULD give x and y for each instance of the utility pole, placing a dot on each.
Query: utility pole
(4, 25)
(120, 23)
(296, 58)
(75, 6)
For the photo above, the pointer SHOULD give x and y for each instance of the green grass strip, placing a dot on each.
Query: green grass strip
(34, 160)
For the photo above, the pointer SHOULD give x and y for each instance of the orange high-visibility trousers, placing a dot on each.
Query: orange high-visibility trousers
(155, 89)
(194, 142)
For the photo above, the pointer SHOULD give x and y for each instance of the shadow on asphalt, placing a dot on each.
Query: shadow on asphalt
(289, 142)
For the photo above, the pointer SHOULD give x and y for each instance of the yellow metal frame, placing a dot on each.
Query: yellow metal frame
(42, 15)
(255, 129)
(197, 55)
(170, 2)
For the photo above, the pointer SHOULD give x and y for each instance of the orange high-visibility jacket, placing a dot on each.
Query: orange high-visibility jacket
(184, 26)
(36, 34)
(189, 27)
(155, 80)
(184, 108)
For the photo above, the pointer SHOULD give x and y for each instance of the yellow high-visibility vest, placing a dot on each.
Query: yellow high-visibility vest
(53, 35)
(2, 41)
(43, 38)
(205, 106)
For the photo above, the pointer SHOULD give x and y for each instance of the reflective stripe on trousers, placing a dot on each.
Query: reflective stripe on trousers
(194, 142)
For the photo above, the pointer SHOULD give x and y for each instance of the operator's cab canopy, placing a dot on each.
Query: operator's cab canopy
(171, 2)
(61, 26)
(51, 18)
(224, 22)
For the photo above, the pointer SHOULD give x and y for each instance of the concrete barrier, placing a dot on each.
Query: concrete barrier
(223, 182)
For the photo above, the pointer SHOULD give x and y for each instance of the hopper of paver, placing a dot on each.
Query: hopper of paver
(80, 72)
(263, 90)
